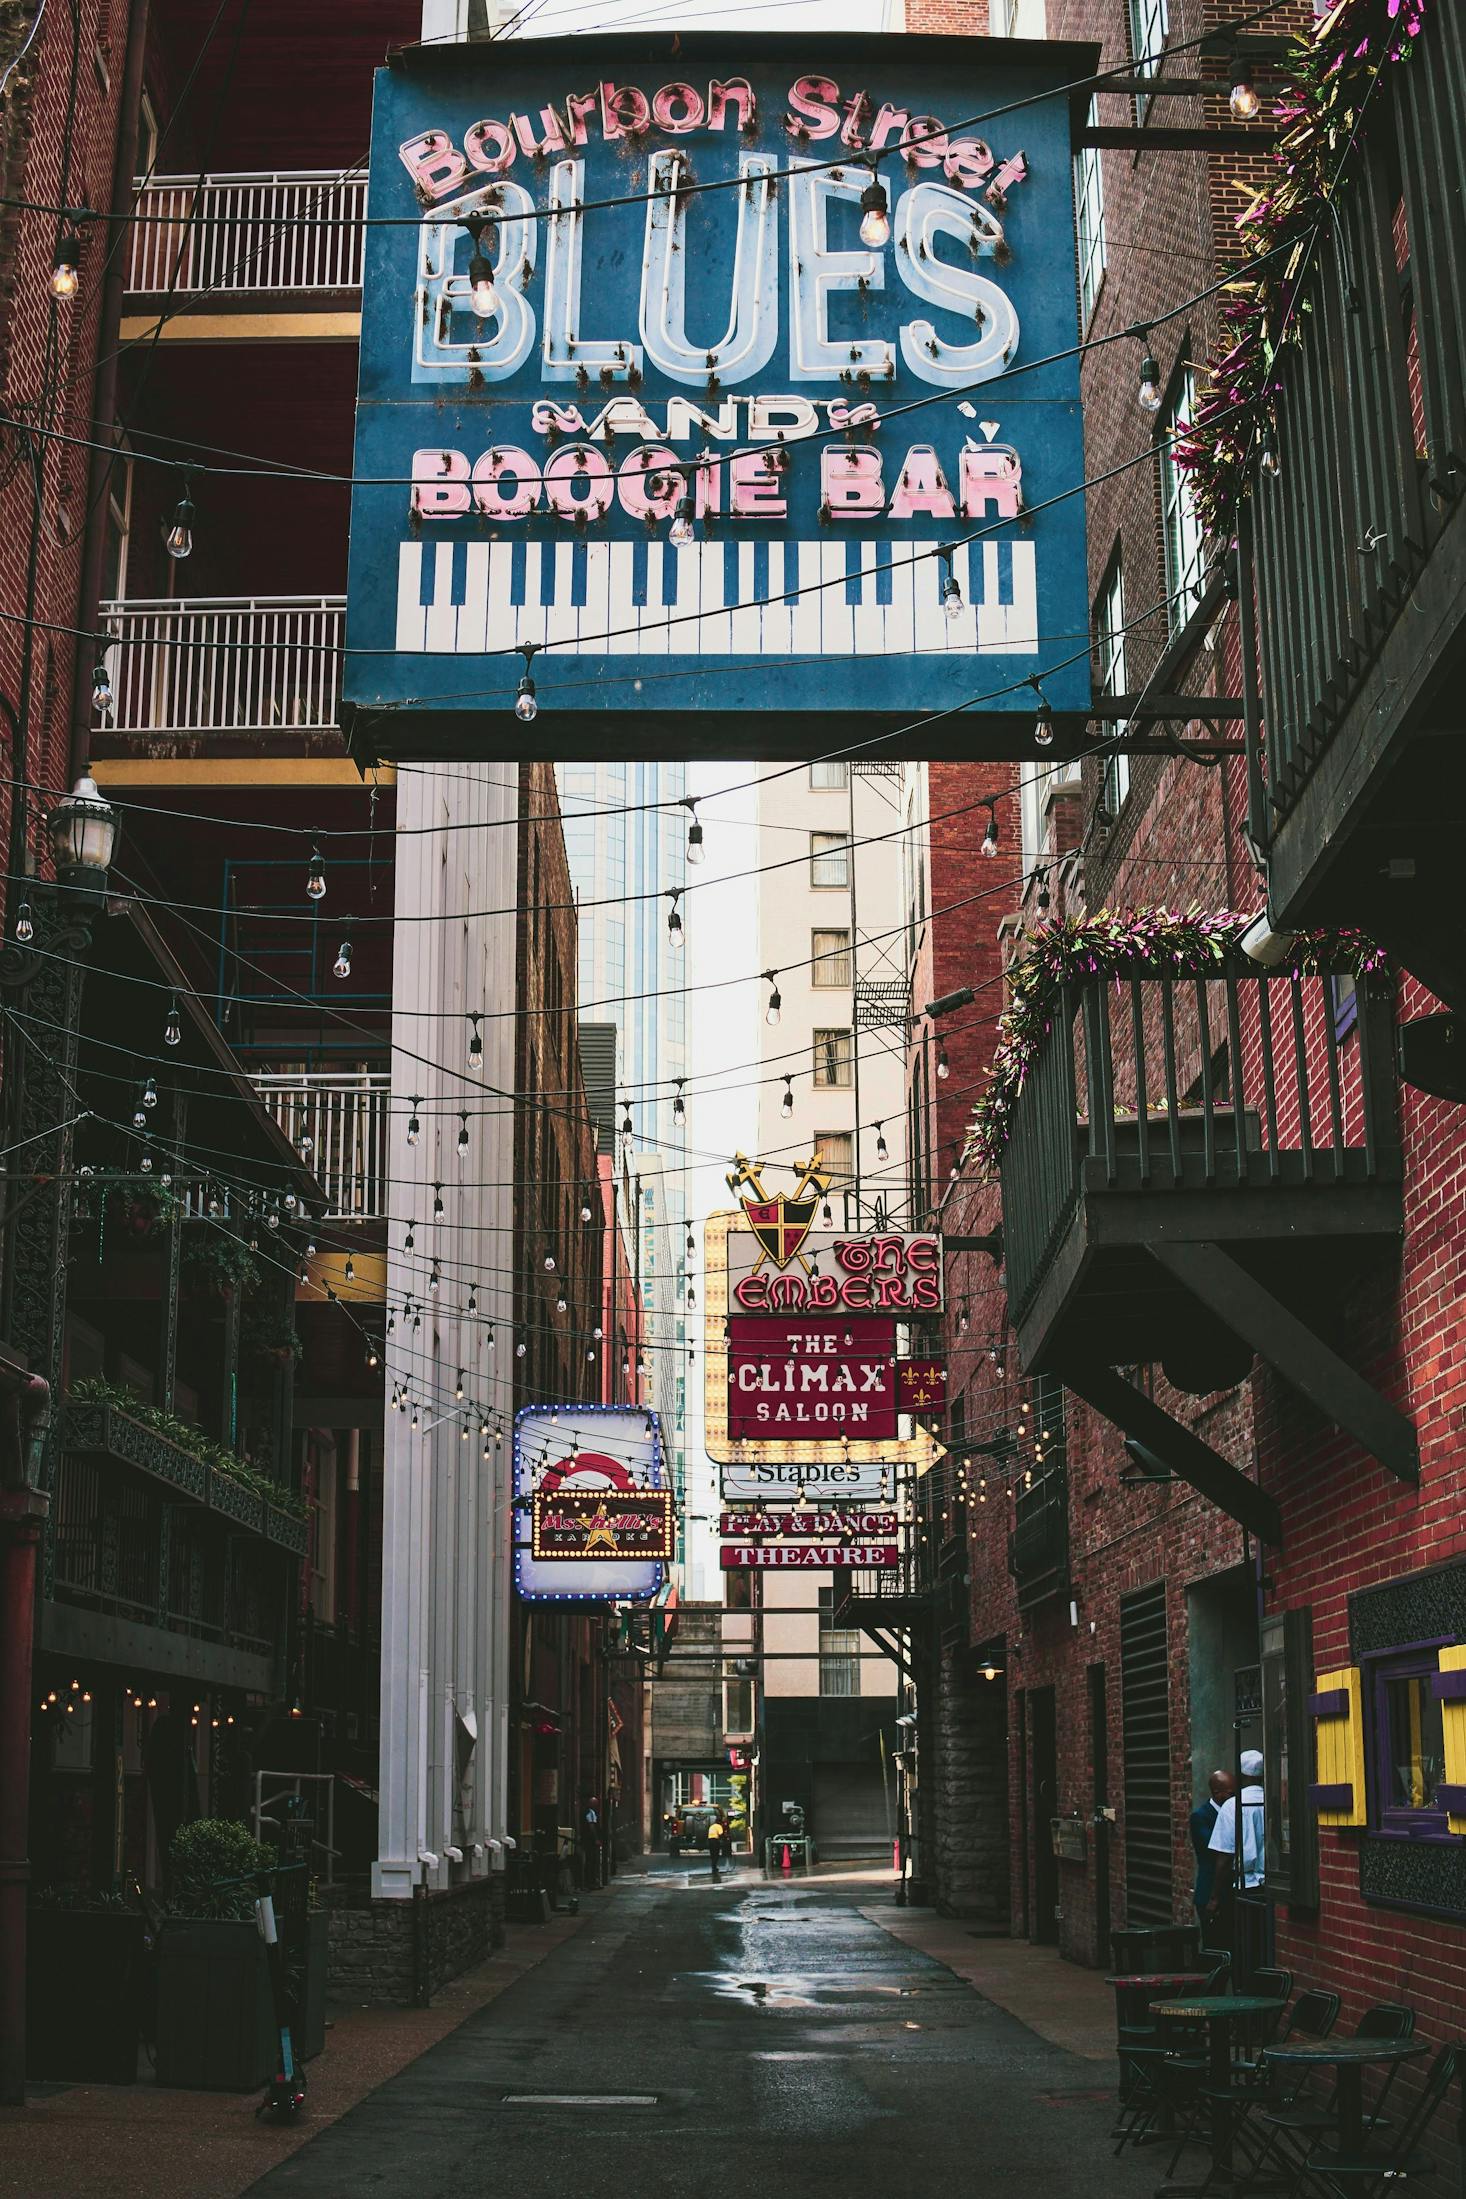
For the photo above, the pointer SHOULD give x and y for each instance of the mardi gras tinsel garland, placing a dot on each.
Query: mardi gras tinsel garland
(1334, 67)
(1196, 943)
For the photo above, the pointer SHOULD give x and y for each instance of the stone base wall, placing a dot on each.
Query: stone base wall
(970, 1818)
(395, 1954)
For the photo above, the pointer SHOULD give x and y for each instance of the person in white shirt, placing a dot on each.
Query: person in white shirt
(1224, 1833)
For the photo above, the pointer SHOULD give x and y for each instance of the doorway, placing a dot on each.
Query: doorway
(1099, 1796)
(1043, 1762)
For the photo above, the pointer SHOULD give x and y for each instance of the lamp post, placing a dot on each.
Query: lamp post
(44, 971)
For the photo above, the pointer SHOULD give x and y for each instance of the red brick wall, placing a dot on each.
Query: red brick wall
(963, 16)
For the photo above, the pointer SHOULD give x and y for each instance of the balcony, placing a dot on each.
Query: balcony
(189, 672)
(251, 255)
(1360, 541)
(1197, 1168)
(345, 1119)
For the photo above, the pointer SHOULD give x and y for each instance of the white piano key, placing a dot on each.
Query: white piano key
(870, 623)
(1023, 622)
(930, 627)
(962, 632)
(622, 618)
(501, 620)
(715, 626)
(655, 632)
(837, 617)
(562, 619)
(529, 618)
(746, 625)
(442, 625)
(805, 608)
(594, 615)
(684, 633)
(900, 613)
(775, 623)
(473, 617)
(411, 616)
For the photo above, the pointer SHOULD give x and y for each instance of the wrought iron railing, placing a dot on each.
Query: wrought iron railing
(1370, 414)
(338, 1122)
(286, 231)
(1154, 1084)
(224, 664)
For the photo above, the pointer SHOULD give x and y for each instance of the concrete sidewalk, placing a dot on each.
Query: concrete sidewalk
(143, 2141)
(1062, 2003)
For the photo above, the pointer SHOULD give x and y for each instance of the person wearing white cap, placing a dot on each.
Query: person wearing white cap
(1224, 1833)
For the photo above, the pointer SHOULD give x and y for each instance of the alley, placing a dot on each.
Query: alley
(690, 2033)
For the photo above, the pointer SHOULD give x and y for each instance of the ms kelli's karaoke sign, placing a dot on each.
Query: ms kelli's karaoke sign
(729, 388)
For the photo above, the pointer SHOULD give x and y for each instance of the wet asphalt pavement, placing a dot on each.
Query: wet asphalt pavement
(771, 2040)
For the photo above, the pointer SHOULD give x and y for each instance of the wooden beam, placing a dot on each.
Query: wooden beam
(1177, 1447)
(1302, 1358)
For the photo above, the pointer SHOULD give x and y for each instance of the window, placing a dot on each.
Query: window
(1089, 208)
(1185, 561)
(829, 778)
(1290, 1825)
(829, 859)
(1149, 23)
(1109, 638)
(1407, 1755)
(829, 958)
(836, 1149)
(839, 1650)
(833, 1059)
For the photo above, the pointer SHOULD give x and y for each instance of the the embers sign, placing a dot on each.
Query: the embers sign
(835, 1272)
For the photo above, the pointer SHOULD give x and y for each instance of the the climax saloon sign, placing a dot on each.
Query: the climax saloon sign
(656, 404)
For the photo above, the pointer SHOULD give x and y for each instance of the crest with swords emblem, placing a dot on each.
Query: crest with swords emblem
(779, 1224)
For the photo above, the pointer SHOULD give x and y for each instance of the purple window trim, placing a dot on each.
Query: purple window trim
(1411, 1660)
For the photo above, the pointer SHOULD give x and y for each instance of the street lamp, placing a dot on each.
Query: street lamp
(83, 830)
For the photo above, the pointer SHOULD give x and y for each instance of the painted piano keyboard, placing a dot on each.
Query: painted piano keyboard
(647, 598)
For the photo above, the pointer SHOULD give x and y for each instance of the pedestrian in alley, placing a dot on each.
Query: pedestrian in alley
(590, 1843)
(1219, 1788)
(717, 1841)
(1240, 1924)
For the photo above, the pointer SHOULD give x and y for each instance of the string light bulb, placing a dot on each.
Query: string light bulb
(1272, 465)
(475, 1042)
(350, 1269)
(683, 531)
(66, 274)
(341, 967)
(875, 218)
(786, 1104)
(952, 602)
(526, 702)
(989, 846)
(462, 1132)
(1043, 721)
(674, 918)
(315, 880)
(694, 830)
(173, 1028)
(1242, 98)
(944, 1066)
(1148, 394)
(776, 999)
(679, 1114)
(178, 534)
(25, 930)
(482, 295)
(883, 1151)
(414, 1127)
(104, 702)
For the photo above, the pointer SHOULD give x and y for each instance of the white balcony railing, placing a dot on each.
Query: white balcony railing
(225, 664)
(345, 1116)
(233, 235)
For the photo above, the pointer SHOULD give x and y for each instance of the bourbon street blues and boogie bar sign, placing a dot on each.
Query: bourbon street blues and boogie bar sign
(624, 292)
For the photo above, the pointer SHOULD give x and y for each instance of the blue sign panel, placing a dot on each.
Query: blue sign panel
(726, 397)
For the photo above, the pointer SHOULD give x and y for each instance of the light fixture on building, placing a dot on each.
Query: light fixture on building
(83, 834)
(875, 219)
(1262, 944)
(178, 534)
(1242, 98)
(66, 274)
(776, 999)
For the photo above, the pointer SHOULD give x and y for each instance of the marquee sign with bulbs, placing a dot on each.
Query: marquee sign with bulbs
(594, 1518)
(728, 386)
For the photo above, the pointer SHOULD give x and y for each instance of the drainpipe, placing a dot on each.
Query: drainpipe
(104, 389)
(25, 1414)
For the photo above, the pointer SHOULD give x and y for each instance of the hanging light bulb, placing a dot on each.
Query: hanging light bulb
(341, 967)
(139, 1119)
(679, 1110)
(350, 1269)
(683, 531)
(475, 1043)
(694, 830)
(414, 1127)
(372, 1359)
(458, 1385)
(315, 883)
(437, 1202)
(519, 1349)
(1045, 898)
(562, 1303)
(150, 1092)
(1148, 395)
(875, 219)
(1043, 723)
(409, 1241)
(944, 1067)
(691, 1240)
(674, 919)
(305, 1145)
(990, 837)
(549, 1263)
(628, 1134)
(786, 1104)
(1271, 463)
(585, 1210)
(526, 704)
(952, 602)
(883, 1151)
(65, 275)
(691, 1294)
(173, 1028)
(462, 1133)
(103, 699)
(473, 1304)
(25, 929)
(826, 1216)
(435, 1279)
(178, 535)
(1242, 98)
(776, 999)
(482, 295)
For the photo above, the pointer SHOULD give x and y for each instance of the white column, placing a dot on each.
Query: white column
(445, 1558)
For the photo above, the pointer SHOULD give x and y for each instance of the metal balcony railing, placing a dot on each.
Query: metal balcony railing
(297, 230)
(345, 1118)
(1151, 1091)
(1370, 417)
(223, 664)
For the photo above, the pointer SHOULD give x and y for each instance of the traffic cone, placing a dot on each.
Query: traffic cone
(787, 1865)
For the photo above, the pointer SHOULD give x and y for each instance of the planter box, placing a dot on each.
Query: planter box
(285, 1529)
(235, 1502)
(216, 2022)
(84, 1972)
(106, 1431)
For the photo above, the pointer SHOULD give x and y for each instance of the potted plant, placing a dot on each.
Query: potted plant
(216, 2024)
(84, 1959)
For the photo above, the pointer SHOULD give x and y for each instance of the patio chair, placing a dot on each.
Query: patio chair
(1397, 2159)
(1292, 2125)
